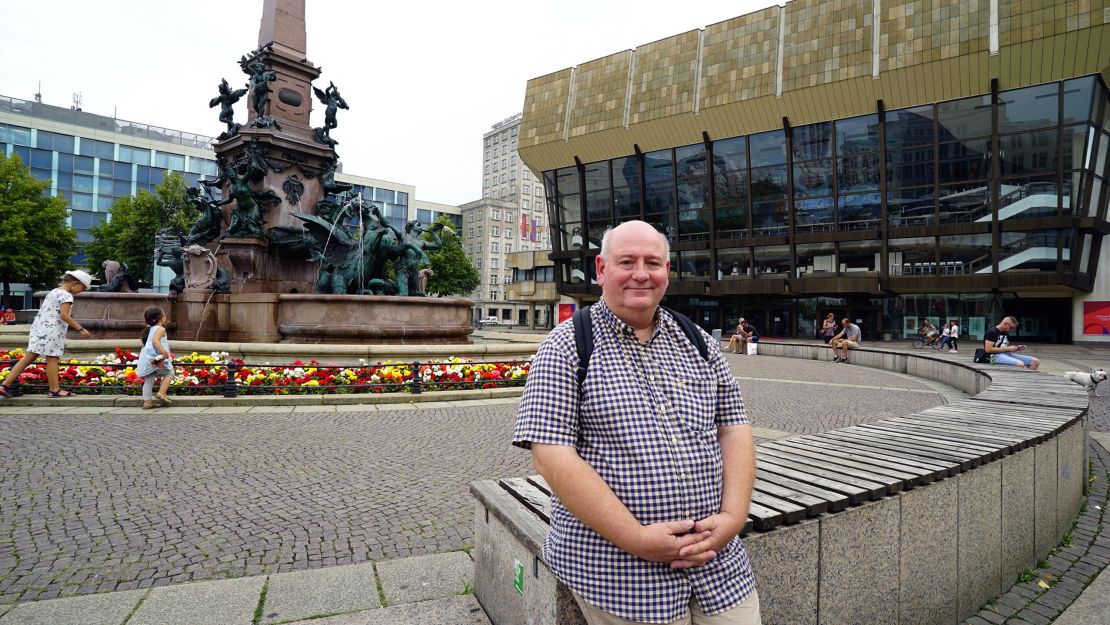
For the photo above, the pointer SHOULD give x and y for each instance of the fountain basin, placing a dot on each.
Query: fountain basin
(281, 317)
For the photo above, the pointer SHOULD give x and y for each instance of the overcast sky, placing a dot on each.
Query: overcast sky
(425, 80)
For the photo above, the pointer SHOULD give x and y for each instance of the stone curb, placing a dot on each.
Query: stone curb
(1070, 569)
(418, 586)
(130, 401)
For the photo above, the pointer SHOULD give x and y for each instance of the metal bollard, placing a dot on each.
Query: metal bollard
(414, 388)
(231, 386)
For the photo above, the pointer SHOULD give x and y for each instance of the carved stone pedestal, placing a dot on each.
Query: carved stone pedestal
(253, 267)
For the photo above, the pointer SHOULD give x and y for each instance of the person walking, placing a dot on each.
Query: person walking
(48, 332)
(954, 336)
(945, 336)
(155, 359)
(651, 459)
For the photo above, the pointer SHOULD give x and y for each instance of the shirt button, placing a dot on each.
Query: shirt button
(674, 439)
(682, 476)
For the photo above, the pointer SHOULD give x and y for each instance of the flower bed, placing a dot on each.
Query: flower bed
(209, 373)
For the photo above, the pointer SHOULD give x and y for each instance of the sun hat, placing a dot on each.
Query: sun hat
(80, 276)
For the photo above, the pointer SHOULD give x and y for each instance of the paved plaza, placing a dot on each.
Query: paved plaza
(118, 499)
(128, 499)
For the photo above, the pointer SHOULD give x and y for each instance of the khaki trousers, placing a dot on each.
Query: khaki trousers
(745, 613)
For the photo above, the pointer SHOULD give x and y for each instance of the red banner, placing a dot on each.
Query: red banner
(566, 311)
(1096, 317)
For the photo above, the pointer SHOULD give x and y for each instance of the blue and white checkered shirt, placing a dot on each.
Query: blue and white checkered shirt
(647, 423)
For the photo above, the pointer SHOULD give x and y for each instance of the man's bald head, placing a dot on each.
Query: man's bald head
(634, 227)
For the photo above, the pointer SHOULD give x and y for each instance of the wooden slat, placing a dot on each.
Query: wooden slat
(813, 505)
(791, 512)
(533, 498)
(886, 429)
(764, 518)
(857, 491)
(522, 522)
(913, 476)
(960, 461)
(890, 484)
(833, 500)
(927, 472)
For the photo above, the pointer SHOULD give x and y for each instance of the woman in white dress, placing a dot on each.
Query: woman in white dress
(48, 332)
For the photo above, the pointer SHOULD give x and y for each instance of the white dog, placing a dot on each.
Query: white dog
(1088, 381)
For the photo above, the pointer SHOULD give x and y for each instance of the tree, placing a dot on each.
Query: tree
(36, 245)
(129, 237)
(454, 273)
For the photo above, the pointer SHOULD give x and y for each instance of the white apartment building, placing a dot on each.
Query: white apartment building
(510, 217)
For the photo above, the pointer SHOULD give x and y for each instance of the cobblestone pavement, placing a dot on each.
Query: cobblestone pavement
(93, 503)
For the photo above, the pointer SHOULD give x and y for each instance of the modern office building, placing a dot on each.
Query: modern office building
(884, 160)
(94, 160)
(509, 218)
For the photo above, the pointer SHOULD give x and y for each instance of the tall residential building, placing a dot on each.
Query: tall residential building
(858, 163)
(510, 217)
(94, 160)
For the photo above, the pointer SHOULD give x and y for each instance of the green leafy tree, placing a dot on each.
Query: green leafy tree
(454, 273)
(36, 245)
(129, 237)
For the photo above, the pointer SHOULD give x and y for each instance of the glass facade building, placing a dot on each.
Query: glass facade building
(959, 209)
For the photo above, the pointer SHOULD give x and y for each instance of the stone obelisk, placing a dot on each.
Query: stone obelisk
(294, 160)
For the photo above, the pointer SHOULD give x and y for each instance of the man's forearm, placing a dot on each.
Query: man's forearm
(738, 459)
(585, 494)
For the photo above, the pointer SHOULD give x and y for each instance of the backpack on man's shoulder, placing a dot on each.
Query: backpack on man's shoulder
(584, 337)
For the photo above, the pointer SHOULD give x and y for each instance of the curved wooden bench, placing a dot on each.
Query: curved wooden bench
(920, 518)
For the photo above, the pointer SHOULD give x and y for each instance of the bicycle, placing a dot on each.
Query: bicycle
(922, 341)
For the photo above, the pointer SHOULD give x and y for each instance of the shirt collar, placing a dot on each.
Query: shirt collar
(623, 329)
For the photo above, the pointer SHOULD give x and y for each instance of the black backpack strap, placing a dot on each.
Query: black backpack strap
(691, 330)
(583, 340)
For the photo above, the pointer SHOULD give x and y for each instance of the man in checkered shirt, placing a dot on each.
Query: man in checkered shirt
(651, 462)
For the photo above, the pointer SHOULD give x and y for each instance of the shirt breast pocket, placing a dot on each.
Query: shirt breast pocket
(696, 403)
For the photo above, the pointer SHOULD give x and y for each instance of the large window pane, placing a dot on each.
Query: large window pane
(99, 149)
(909, 168)
(570, 208)
(769, 183)
(964, 119)
(813, 215)
(42, 158)
(567, 180)
(813, 179)
(768, 148)
(816, 259)
(909, 127)
(1028, 252)
(692, 173)
(1028, 152)
(964, 160)
(626, 201)
(965, 254)
(734, 263)
(1078, 96)
(658, 166)
(693, 224)
(858, 212)
(769, 219)
(1027, 197)
(1028, 108)
(857, 134)
(626, 173)
(694, 265)
(1078, 146)
(965, 202)
(597, 176)
(598, 205)
(911, 207)
(860, 257)
(812, 141)
(858, 173)
(772, 261)
(732, 221)
(730, 171)
(659, 196)
(913, 256)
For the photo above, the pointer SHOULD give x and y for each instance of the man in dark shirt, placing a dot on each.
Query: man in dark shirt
(996, 346)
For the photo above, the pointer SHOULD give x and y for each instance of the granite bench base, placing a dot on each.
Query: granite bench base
(933, 554)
